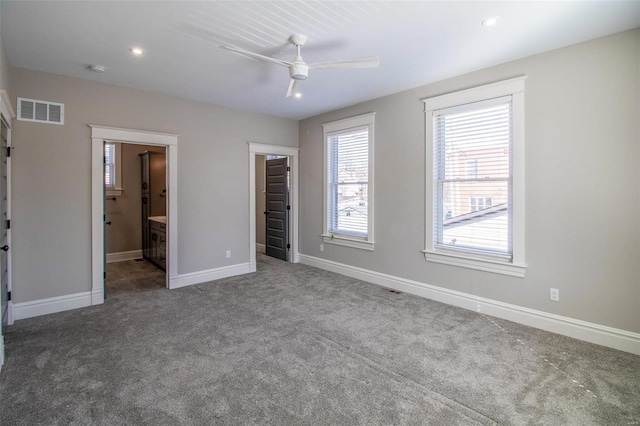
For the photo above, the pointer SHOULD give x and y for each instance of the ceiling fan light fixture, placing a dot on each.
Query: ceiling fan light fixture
(299, 70)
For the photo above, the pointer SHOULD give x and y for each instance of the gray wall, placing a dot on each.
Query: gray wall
(125, 212)
(582, 184)
(52, 178)
(260, 199)
(4, 67)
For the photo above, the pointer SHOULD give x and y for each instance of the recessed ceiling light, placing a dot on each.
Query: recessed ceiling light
(97, 68)
(298, 95)
(490, 22)
(137, 51)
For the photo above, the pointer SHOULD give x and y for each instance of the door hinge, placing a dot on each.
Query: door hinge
(288, 207)
(9, 224)
(8, 295)
(8, 151)
(105, 275)
(288, 246)
(288, 168)
(104, 217)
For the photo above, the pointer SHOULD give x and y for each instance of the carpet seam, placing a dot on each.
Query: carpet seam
(400, 378)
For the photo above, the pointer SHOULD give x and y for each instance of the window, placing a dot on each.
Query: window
(472, 169)
(112, 169)
(479, 203)
(475, 178)
(348, 183)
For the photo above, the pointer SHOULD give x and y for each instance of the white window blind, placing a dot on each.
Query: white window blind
(473, 177)
(109, 165)
(348, 181)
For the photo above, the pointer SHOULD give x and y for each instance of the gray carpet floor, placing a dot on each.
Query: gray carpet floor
(134, 276)
(295, 345)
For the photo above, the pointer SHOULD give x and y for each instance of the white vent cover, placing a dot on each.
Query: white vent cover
(40, 111)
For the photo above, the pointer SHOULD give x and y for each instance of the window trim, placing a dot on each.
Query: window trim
(515, 266)
(117, 190)
(349, 240)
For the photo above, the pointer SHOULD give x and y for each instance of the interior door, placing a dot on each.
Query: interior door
(4, 248)
(104, 222)
(277, 209)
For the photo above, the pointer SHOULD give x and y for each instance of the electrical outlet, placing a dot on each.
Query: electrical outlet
(321, 247)
(554, 294)
(228, 254)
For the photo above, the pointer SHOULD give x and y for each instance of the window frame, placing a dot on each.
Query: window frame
(343, 239)
(116, 190)
(513, 265)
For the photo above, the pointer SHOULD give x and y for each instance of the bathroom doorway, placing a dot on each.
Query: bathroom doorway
(135, 218)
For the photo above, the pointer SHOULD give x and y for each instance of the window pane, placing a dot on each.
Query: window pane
(348, 175)
(109, 165)
(473, 178)
(476, 215)
(352, 208)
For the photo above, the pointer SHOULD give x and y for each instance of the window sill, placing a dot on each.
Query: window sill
(348, 242)
(470, 262)
(117, 192)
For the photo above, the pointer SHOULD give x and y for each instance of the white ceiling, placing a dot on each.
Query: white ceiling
(418, 42)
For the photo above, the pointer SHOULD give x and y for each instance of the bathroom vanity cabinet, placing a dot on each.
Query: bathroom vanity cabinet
(154, 206)
(158, 241)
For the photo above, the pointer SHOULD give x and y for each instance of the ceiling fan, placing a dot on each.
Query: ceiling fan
(299, 69)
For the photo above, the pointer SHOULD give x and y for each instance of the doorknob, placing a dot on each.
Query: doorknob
(4, 248)
(108, 223)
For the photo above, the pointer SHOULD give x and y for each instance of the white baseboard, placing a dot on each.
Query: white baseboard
(595, 333)
(97, 296)
(51, 305)
(1, 350)
(192, 278)
(261, 248)
(124, 255)
(10, 314)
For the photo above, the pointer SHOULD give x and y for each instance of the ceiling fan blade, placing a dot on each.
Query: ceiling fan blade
(368, 62)
(293, 85)
(256, 55)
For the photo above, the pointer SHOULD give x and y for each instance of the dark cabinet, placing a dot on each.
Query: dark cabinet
(158, 243)
(154, 205)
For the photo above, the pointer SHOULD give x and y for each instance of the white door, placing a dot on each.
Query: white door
(5, 282)
(4, 221)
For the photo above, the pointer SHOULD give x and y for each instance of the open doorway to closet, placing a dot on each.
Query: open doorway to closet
(273, 202)
(272, 206)
(135, 209)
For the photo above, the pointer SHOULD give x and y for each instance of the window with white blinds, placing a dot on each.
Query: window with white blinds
(348, 183)
(475, 178)
(110, 165)
(113, 169)
(472, 176)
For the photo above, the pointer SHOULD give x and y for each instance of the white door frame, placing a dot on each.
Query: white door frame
(100, 134)
(292, 153)
(7, 113)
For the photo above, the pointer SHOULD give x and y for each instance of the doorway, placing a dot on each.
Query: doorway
(291, 155)
(273, 226)
(99, 135)
(135, 215)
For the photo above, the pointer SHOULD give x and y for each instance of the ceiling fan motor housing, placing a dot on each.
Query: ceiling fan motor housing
(299, 70)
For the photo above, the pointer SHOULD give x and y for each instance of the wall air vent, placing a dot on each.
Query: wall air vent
(40, 111)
